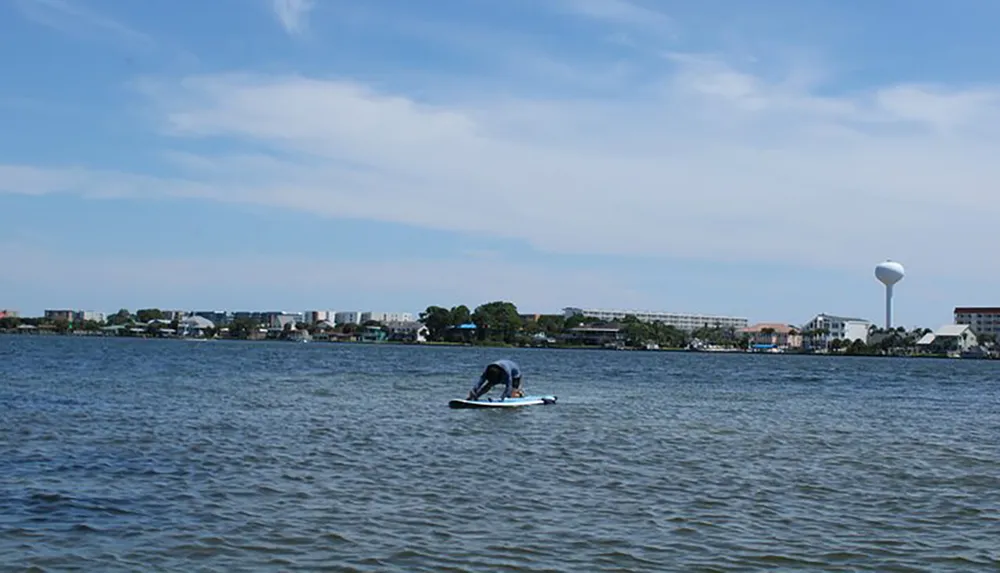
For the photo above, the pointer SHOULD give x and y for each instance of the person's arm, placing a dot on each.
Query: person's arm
(473, 394)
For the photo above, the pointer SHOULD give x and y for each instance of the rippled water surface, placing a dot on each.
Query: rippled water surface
(136, 455)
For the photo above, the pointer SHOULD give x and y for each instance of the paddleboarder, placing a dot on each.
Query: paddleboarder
(505, 372)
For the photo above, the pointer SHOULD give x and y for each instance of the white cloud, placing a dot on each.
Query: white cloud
(293, 14)
(76, 19)
(621, 12)
(721, 163)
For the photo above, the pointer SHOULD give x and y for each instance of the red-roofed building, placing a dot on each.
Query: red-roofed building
(773, 334)
(981, 319)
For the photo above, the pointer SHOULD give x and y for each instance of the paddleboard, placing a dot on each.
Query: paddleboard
(507, 403)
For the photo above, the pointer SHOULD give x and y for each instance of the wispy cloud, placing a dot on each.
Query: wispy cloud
(619, 12)
(723, 165)
(720, 161)
(628, 15)
(293, 14)
(75, 18)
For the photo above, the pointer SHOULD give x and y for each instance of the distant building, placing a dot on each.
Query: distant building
(773, 335)
(347, 317)
(195, 325)
(826, 327)
(981, 319)
(217, 317)
(384, 317)
(605, 335)
(949, 338)
(317, 316)
(410, 331)
(85, 315)
(269, 318)
(72, 316)
(280, 319)
(680, 320)
(7, 313)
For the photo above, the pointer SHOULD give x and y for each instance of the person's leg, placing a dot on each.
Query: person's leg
(489, 379)
(517, 392)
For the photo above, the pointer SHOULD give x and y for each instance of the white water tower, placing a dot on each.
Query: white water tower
(889, 273)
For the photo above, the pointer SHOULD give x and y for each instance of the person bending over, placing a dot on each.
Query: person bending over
(505, 372)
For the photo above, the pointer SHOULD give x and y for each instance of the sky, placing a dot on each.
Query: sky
(750, 159)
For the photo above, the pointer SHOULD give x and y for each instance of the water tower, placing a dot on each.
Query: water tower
(889, 273)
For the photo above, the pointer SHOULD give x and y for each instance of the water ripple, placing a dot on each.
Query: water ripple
(123, 455)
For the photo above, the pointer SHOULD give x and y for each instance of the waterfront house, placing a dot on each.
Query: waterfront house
(372, 334)
(824, 328)
(772, 335)
(595, 335)
(461, 332)
(194, 326)
(407, 331)
(949, 339)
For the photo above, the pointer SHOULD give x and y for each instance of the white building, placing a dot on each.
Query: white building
(85, 315)
(832, 327)
(981, 319)
(194, 326)
(680, 320)
(317, 316)
(385, 317)
(950, 338)
(280, 319)
(347, 317)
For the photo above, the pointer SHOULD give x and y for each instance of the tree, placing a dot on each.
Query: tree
(61, 325)
(242, 328)
(147, 314)
(460, 315)
(123, 316)
(551, 324)
(437, 319)
(857, 347)
(497, 320)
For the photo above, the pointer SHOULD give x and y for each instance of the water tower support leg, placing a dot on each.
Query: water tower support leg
(888, 307)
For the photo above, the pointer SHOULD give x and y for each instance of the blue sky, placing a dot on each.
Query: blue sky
(755, 159)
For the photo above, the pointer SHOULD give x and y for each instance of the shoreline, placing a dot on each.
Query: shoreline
(490, 344)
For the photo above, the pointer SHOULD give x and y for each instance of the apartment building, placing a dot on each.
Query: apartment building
(347, 317)
(385, 317)
(981, 319)
(830, 327)
(318, 316)
(680, 320)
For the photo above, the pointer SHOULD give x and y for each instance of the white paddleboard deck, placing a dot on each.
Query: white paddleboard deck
(506, 403)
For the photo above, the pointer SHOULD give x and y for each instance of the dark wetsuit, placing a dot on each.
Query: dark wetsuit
(505, 372)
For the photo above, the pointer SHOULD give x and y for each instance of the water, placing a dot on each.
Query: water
(128, 455)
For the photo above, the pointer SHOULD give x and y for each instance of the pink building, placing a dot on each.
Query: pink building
(774, 334)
